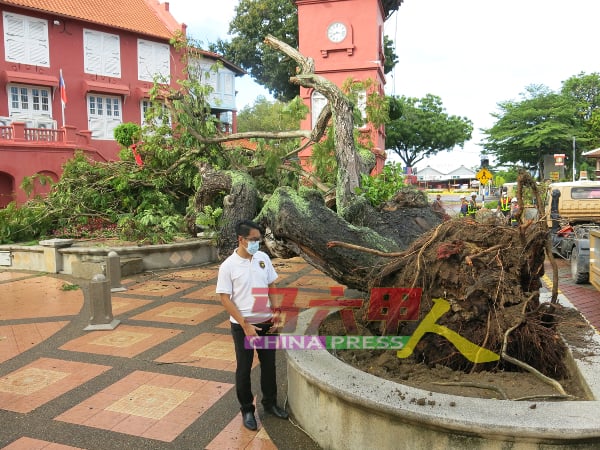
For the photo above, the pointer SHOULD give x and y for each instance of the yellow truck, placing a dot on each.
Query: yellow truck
(573, 213)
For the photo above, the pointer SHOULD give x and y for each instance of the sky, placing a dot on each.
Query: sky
(473, 54)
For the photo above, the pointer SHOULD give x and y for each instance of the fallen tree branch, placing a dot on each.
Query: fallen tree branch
(251, 134)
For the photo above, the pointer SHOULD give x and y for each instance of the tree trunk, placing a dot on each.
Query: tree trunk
(304, 225)
(489, 275)
(239, 203)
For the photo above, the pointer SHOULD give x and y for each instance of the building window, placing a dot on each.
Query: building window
(317, 103)
(102, 53)
(226, 87)
(104, 115)
(226, 122)
(29, 101)
(361, 100)
(26, 40)
(155, 117)
(153, 60)
(220, 79)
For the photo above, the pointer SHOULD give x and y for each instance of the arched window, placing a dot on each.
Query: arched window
(7, 186)
(317, 103)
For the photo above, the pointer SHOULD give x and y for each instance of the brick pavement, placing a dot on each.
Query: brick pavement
(584, 297)
(162, 379)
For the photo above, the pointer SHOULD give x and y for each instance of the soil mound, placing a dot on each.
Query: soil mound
(490, 277)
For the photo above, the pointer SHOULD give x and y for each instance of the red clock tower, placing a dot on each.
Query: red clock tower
(345, 39)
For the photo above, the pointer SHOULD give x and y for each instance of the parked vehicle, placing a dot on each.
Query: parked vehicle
(595, 258)
(573, 210)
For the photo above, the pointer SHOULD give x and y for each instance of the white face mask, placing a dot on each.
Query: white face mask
(253, 247)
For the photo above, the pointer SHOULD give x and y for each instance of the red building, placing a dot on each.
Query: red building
(345, 40)
(108, 53)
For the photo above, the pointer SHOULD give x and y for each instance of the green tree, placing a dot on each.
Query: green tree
(273, 116)
(267, 115)
(584, 91)
(256, 19)
(420, 128)
(542, 122)
(505, 176)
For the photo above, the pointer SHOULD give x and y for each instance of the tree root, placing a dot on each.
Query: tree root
(545, 397)
(521, 364)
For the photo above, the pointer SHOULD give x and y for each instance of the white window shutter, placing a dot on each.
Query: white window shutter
(92, 48)
(26, 40)
(144, 60)
(14, 37)
(112, 55)
(14, 25)
(153, 59)
(228, 93)
(318, 102)
(38, 43)
(102, 53)
(228, 88)
(163, 59)
(111, 124)
(96, 126)
(362, 104)
(210, 77)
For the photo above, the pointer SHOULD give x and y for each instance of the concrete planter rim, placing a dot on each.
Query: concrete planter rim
(504, 419)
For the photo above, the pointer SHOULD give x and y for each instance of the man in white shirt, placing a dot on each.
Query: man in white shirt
(245, 269)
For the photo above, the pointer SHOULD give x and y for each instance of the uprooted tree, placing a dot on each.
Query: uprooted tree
(489, 274)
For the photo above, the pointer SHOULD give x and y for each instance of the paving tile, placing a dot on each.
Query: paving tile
(236, 436)
(159, 288)
(16, 339)
(206, 293)
(291, 266)
(583, 297)
(162, 401)
(123, 341)
(38, 297)
(180, 313)
(26, 443)
(146, 408)
(43, 380)
(225, 325)
(208, 350)
(197, 274)
(121, 305)
(314, 281)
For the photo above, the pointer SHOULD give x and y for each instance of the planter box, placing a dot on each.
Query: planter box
(342, 407)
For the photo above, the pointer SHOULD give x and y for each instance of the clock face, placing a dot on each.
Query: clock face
(336, 32)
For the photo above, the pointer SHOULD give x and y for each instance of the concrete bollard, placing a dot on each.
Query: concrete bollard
(100, 305)
(113, 270)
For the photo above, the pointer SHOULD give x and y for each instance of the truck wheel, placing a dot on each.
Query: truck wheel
(579, 274)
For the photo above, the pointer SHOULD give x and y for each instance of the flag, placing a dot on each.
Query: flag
(63, 89)
(136, 155)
